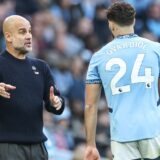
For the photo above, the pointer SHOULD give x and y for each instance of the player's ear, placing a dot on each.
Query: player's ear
(110, 25)
(134, 21)
(8, 36)
(113, 27)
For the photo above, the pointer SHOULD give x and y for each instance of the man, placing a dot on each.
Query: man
(128, 69)
(24, 84)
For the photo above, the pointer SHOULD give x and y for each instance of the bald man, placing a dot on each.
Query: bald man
(25, 83)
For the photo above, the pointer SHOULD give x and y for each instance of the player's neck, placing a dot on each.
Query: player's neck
(123, 31)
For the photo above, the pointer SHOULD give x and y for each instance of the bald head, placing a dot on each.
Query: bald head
(17, 33)
(11, 23)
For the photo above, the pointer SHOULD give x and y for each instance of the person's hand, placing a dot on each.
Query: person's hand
(91, 153)
(4, 88)
(55, 100)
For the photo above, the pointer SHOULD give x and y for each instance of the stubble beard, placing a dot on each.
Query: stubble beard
(23, 50)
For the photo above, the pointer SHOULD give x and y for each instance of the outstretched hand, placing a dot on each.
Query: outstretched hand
(91, 153)
(55, 100)
(4, 88)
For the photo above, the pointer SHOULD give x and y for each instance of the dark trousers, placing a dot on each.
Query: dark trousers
(9, 151)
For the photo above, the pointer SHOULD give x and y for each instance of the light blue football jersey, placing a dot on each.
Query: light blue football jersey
(128, 68)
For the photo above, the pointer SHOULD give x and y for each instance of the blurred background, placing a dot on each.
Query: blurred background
(65, 34)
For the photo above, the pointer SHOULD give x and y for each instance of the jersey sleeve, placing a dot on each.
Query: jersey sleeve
(92, 73)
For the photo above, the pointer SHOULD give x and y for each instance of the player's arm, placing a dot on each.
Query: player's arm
(93, 92)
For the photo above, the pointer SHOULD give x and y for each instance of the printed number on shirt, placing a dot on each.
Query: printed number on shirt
(147, 79)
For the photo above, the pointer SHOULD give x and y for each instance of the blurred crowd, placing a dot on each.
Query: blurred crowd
(65, 34)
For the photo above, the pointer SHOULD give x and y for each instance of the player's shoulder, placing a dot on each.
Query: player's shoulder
(149, 42)
(103, 49)
(152, 46)
(99, 55)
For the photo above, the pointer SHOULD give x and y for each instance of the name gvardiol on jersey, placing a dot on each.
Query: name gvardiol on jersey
(126, 45)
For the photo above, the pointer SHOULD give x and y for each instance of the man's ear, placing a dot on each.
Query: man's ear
(134, 22)
(112, 26)
(8, 36)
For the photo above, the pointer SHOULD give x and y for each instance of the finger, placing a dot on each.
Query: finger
(57, 104)
(5, 94)
(52, 96)
(9, 87)
(58, 107)
(56, 100)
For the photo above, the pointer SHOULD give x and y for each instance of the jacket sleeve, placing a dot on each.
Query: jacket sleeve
(49, 81)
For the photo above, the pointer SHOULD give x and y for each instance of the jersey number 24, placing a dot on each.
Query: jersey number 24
(147, 78)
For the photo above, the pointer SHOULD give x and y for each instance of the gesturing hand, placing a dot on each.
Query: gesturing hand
(91, 153)
(4, 88)
(55, 100)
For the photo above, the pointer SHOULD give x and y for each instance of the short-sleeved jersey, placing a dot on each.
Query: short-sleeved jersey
(128, 68)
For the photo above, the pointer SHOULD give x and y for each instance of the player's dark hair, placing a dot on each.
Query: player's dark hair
(121, 13)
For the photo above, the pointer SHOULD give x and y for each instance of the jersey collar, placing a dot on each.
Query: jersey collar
(127, 36)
